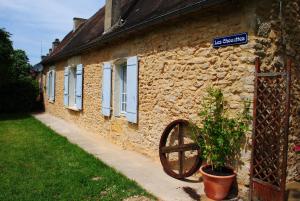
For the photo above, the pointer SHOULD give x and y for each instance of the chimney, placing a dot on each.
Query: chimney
(112, 14)
(50, 50)
(43, 57)
(77, 22)
(55, 44)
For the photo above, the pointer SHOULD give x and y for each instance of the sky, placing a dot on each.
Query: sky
(34, 24)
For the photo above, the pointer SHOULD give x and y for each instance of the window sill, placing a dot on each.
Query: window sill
(73, 108)
(119, 118)
(122, 114)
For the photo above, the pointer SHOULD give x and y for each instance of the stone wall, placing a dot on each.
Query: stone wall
(278, 36)
(177, 63)
(176, 67)
(291, 35)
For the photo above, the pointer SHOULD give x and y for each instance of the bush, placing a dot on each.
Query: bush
(219, 136)
(18, 96)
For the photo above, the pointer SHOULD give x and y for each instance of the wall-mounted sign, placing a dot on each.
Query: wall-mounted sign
(237, 39)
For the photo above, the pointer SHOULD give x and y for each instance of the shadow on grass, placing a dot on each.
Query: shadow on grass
(13, 116)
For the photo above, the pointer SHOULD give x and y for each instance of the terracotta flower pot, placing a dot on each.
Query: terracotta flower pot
(216, 187)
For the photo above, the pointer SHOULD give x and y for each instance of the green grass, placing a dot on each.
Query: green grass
(36, 164)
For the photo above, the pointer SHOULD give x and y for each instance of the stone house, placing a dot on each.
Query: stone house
(135, 66)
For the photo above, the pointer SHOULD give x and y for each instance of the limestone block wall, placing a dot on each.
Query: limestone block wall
(292, 36)
(177, 63)
(278, 36)
(175, 68)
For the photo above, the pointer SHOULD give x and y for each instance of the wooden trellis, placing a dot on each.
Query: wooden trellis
(270, 134)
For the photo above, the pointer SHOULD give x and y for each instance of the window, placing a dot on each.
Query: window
(123, 81)
(73, 78)
(120, 89)
(51, 85)
(72, 87)
(50, 76)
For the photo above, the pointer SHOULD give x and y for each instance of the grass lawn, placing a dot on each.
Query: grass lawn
(36, 164)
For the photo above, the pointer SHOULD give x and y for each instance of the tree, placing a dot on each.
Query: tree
(6, 56)
(18, 90)
(20, 66)
(14, 64)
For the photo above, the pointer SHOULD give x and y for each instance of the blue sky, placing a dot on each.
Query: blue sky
(32, 22)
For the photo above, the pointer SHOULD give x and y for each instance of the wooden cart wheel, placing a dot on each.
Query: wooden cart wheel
(181, 148)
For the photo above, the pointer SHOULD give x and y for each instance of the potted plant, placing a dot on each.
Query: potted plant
(220, 139)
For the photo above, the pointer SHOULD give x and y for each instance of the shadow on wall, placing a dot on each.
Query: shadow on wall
(293, 192)
(39, 105)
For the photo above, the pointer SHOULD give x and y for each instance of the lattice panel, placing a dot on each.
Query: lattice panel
(270, 134)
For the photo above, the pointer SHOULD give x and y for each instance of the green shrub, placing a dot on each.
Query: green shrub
(219, 137)
(18, 96)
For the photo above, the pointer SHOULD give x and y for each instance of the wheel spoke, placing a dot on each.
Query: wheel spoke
(180, 134)
(181, 153)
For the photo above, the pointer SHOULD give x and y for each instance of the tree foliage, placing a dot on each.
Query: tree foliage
(219, 136)
(18, 90)
(6, 56)
(20, 66)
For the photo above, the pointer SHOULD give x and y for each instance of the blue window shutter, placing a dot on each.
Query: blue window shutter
(78, 92)
(66, 87)
(132, 89)
(106, 89)
(52, 93)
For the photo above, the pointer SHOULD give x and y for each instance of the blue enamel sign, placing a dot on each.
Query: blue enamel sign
(237, 39)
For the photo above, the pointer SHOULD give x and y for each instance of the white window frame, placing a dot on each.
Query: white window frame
(119, 90)
(72, 93)
(50, 74)
(123, 88)
(50, 80)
